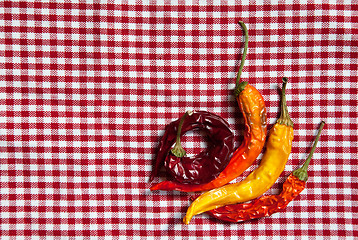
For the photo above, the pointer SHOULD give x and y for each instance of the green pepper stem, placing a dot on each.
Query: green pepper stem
(285, 116)
(301, 173)
(178, 150)
(241, 85)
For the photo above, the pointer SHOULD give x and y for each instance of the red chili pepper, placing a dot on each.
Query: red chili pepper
(204, 166)
(253, 108)
(270, 204)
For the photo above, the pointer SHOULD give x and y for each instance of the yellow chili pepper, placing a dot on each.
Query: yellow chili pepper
(278, 149)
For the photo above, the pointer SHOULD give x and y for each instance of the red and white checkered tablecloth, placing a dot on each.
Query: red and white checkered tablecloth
(87, 88)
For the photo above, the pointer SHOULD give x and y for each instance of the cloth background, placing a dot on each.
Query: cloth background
(86, 89)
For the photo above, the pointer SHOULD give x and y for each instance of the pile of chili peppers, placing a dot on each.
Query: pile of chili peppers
(212, 170)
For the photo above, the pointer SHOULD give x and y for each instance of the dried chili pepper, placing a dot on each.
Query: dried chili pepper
(273, 162)
(253, 108)
(270, 204)
(204, 166)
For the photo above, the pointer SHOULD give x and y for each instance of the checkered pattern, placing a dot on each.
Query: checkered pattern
(86, 89)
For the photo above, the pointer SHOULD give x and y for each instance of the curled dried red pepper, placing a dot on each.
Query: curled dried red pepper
(253, 109)
(270, 204)
(204, 166)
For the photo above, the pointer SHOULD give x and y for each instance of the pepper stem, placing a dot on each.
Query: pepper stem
(285, 116)
(241, 85)
(301, 173)
(178, 150)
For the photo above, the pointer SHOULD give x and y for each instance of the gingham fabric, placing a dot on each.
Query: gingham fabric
(86, 89)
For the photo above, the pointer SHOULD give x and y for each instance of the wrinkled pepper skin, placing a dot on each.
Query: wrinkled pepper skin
(262, 207)
(253, 109)
(257, 183)
(267, 205)
(204, 166)
(278, 149)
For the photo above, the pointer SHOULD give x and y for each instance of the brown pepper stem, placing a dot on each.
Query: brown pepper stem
(301, 173)
(285, 116)
(241, 85)
(178, 150)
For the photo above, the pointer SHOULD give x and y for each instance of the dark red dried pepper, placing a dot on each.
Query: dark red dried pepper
(253, 108)
(268, 205)
(204, 166)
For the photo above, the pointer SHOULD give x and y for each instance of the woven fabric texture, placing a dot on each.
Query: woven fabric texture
(86, 89)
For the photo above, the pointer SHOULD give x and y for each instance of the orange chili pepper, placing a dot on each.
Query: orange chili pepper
(253, 108)
(262, 178)
(270, 204)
